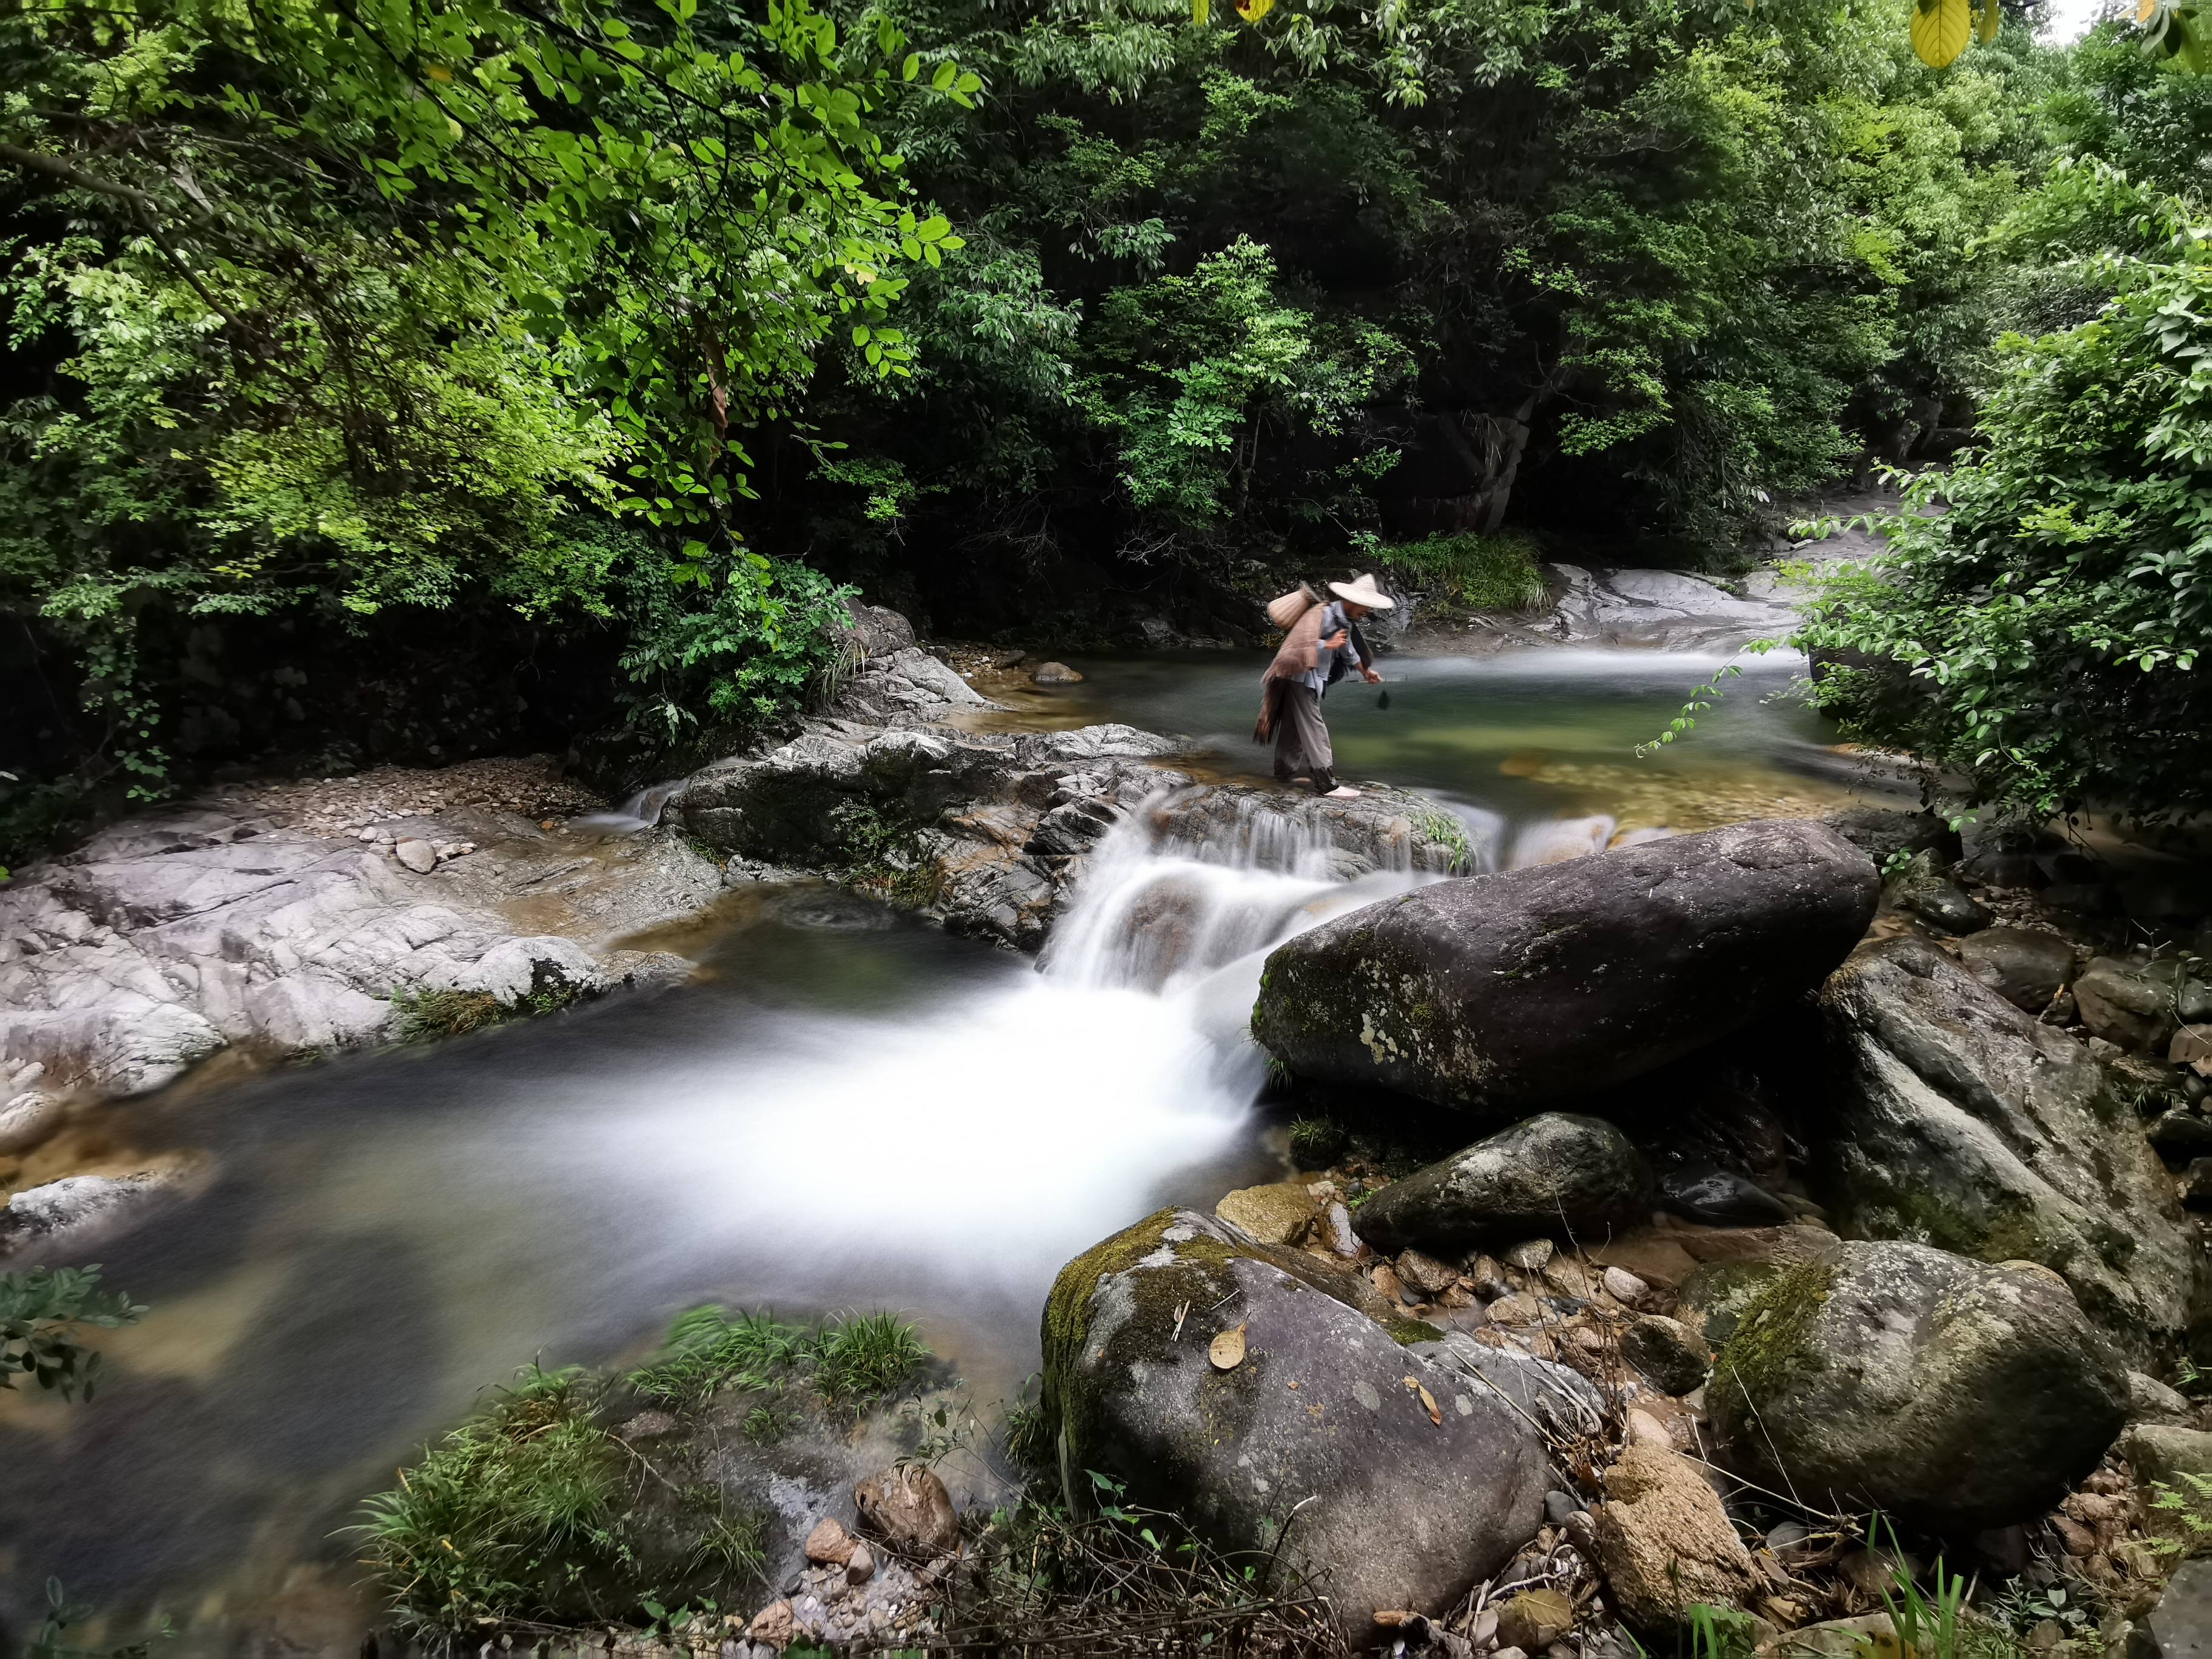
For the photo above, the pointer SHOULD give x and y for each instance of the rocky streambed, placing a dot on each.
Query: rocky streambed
(1657, 1214)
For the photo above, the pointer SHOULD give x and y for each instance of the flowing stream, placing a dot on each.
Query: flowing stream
(847, 1110)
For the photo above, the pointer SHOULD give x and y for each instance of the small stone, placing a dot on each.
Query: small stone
(1668, 1351)
(1054, 673)
(1788, 1536)
(860, 1564)
(829, 1543)
(2073, 1537)
(1533, 1619)
(772, 1625)
(1509, 1653)
(1485, 1627)
(1559, 1505)
(2192, 1047)
(1645, 1430)
(1531, 1257)
(1280, 1213)
(1487, 1274)
(1663, 1538)
(1560, 1650)
(1519, 1308)
(1624, 1286)
(1425, 1272)
(1342, 1241)
(416, 854)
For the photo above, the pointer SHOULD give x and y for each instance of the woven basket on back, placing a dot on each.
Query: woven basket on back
(1288, 609)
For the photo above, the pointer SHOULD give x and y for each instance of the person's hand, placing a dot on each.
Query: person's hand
(1336, 640)
(1370, 675)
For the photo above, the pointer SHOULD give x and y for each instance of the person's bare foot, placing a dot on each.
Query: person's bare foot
(1342, 791)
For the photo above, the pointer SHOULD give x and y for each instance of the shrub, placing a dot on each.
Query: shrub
(533, 1511)
(2051, 615)
(1483, 573)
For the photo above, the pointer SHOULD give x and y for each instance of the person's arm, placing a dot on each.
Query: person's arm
(1366, 657)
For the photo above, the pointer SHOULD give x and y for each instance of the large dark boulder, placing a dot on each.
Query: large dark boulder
(1958, 1120)
(1947, 1394)
(1552, 1174)
(1316, 1441)
(1503, 991)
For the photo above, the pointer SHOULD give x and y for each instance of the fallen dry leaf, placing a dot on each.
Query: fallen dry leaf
(1226, 1350)
(1430, 1401)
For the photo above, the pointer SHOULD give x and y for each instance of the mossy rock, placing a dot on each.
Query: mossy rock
(1950, 1394)
(1960, 1121)
(1402, 1478)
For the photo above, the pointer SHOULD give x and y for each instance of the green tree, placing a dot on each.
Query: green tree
(2045, 622)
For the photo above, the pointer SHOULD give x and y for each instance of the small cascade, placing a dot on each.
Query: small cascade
(1554, 841)
(641, 811)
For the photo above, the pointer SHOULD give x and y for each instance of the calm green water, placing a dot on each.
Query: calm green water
(1516, 741)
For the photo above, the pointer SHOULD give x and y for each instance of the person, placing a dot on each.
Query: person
(1322, 646)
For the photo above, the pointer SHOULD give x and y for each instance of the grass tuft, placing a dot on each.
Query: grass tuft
(1483, 573)
(426, 1016)
(850, 1362)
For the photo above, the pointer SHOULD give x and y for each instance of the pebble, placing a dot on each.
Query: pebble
(1624, 1286)
(1648, 1430)
(1559, 1505)
(1341, 1239)
(1519, 1308)
(1788, 1536)
(1531, 1257)
(416, 854)
(1485, 1627)
(861, 1565)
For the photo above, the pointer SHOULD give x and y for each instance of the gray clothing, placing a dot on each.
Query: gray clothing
(1302, 737)
(1333, 621)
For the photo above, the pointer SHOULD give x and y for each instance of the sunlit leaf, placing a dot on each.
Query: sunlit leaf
(1940, 30)
(1253, 10)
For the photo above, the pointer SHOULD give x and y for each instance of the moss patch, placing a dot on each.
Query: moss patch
(1767, 1350)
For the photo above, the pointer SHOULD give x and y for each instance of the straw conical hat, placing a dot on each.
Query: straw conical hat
(1361, 590)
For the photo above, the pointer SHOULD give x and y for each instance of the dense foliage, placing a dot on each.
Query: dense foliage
(2057, 604)
(413, 378)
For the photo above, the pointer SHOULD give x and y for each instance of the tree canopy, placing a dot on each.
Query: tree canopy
(398, 376)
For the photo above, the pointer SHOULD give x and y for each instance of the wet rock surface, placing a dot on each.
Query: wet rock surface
(172, 936)
(1960, 1121)
(1505, 991)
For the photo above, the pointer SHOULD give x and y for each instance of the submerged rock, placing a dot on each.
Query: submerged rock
(1394, 1482)
(1504, 991)
(1958, 1121)
(1554, 1171)
(1949, 1394)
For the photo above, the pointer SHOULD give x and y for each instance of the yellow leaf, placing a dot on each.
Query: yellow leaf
(2145, 10)
(438, 72)
(1201, 11)
(1941, 29)
(1253, 10)
(1992, 14)
(1226, 1350)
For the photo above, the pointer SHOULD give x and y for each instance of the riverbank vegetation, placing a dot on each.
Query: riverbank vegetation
(422, 379)
(575, 1498)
